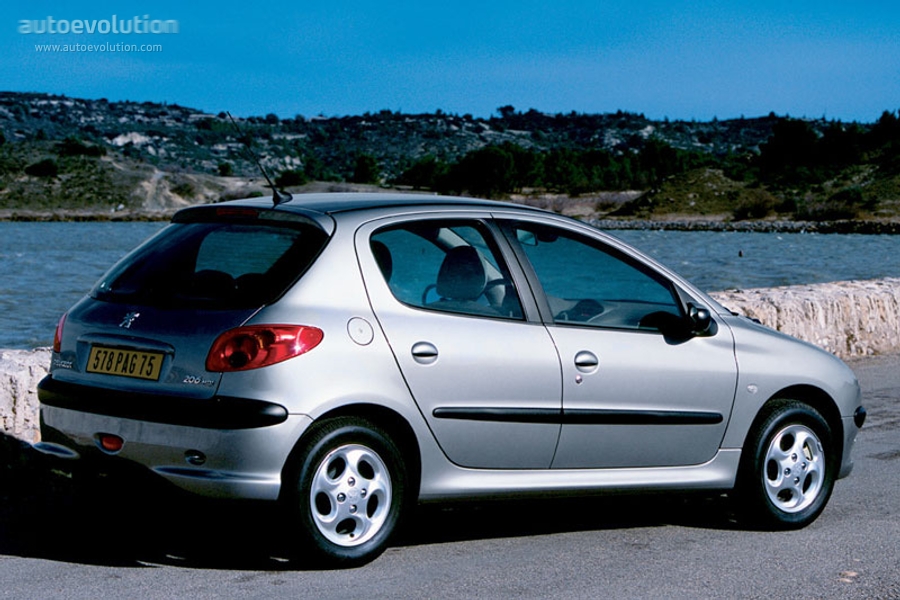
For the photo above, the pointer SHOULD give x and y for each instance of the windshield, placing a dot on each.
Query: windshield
(213, 265)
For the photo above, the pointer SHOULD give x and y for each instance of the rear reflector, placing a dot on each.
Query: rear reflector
(255, 346)
(109, 442)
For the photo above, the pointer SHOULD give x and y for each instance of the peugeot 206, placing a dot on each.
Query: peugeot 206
(347, 356)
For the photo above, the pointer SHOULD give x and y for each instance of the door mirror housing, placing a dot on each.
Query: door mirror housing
(701, 320)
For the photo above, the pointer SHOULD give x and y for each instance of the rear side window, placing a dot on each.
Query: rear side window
(213, 265)
(448, 266)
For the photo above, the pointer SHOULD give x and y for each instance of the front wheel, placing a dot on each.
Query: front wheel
(347, 493)
(788, 470)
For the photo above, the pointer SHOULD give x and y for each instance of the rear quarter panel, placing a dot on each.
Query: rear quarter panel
(352, 366)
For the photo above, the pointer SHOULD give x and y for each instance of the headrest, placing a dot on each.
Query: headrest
(462, 275)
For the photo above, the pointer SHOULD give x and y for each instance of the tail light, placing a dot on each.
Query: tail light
(57, 336)
(255, 346)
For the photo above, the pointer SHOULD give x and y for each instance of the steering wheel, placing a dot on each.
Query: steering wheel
(583, 311)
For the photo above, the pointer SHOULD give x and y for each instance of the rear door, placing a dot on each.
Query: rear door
(485, 377)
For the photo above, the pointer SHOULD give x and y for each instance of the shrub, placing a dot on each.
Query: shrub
(185, 189)
(755, 204)
(289, 178)
(72, 147)
(44, 168)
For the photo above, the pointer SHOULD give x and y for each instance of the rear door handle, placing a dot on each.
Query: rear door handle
(424, 353)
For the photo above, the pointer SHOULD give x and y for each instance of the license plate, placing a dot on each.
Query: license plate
(127, 363)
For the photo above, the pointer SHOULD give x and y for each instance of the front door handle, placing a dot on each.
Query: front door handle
(586, 362)
(424, 353)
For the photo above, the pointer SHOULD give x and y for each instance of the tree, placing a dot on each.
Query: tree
(426, 173)
(366, 169)
(564, 172)
(488, 172)
(885, 131)
(658, 160)
(840, 146)
(316, 170)
(506, 111)
(788, 155)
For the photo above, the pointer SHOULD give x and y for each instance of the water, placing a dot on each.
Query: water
(720, 260)
(47, 267)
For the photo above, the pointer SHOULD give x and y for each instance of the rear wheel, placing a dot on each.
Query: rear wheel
(788, 470)
(347, 493)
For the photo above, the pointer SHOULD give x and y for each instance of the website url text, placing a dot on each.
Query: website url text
(98, 47)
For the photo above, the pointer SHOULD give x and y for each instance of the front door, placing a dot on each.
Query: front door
(632, 396)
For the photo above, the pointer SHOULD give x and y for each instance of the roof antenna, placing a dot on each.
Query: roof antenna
(278, 196)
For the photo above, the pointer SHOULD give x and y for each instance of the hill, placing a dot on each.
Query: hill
(70, 154)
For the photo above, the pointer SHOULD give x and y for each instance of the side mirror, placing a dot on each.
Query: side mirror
(701, 320)
(697, 322)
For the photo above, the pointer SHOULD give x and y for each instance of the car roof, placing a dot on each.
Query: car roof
(342, 202)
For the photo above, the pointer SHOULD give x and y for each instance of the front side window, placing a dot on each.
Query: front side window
(588, 283)
(446, 266)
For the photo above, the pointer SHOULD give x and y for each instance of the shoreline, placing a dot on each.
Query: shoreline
(77, 216)
(864, 227)
(841, 227)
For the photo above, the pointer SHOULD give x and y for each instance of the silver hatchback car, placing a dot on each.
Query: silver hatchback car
(349, 355)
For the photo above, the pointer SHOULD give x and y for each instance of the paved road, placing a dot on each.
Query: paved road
(129, 546)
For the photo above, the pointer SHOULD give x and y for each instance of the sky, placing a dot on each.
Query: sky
(673, 59)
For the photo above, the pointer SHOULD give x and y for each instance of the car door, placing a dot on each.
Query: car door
(639, 390)
(485, 377)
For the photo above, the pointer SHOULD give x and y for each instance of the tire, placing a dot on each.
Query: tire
(788, 469)
(347, 493)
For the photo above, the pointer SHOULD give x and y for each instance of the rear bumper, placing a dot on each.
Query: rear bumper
(219, 412)
(190, 452)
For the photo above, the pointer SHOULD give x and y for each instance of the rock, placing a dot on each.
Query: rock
(847, 318)
(20, 372)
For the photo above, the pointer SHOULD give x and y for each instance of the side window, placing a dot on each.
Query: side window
(446, 266)
(587, 283)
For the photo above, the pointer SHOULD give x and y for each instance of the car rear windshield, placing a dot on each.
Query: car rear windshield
(224, 264)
